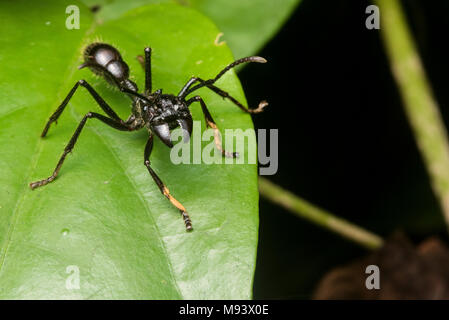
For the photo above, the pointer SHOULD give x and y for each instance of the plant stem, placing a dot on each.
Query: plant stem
(304, 209)
(420, 105)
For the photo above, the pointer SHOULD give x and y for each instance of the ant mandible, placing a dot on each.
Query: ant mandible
(158, 112)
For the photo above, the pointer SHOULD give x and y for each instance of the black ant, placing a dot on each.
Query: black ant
(158, 112)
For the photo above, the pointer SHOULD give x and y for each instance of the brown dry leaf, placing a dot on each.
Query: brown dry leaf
(406, 272)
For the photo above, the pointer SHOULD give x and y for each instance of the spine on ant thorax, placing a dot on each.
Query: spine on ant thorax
(105, 60)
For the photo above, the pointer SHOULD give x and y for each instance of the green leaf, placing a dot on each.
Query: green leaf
(247, 24)
(104, 215)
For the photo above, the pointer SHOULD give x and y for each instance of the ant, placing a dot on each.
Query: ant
(158, 112)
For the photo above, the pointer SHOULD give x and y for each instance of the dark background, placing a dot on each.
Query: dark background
(345, 143)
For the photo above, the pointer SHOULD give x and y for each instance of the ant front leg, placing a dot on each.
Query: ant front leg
(211, 124)
(187, 89)
(103, 105)
(162, 187)
(110, 122)
(187, 86)
(221, 93)
(146, 65)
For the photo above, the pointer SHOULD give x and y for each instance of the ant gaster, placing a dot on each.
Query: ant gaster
(156, 111)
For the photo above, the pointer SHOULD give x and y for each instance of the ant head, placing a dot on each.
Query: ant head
(168, 113)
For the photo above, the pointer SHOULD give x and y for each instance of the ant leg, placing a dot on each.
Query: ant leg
(146, 65)
(110, 122)
(225, 95)
(103, 105)
(189, 83)
(162, 187)
(211, 124)
(222, 72)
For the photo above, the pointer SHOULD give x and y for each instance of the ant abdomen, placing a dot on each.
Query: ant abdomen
(105, 60)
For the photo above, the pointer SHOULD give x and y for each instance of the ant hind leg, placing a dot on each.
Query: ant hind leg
(110, 122)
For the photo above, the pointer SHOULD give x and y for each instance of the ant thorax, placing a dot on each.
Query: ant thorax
(168, 109)
(162, 113)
